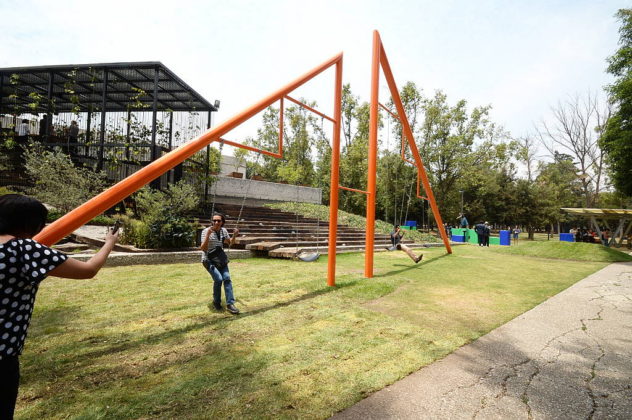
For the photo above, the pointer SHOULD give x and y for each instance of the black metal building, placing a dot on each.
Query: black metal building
(105, 98)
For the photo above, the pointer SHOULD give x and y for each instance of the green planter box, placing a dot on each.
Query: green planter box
(472, 237)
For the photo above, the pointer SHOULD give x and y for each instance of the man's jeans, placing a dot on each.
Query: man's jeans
(220, 276)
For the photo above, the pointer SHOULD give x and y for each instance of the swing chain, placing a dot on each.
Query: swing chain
(219, 163)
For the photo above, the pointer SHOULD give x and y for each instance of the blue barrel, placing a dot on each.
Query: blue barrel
(505, 237)
(567, 237)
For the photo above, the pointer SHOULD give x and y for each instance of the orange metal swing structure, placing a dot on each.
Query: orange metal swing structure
(110, 197)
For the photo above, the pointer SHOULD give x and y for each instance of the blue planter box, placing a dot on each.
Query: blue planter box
(505, 237)
(567, 237)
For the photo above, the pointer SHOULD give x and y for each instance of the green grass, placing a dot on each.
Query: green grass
(565, 250)
(140, 341)
(321, 212)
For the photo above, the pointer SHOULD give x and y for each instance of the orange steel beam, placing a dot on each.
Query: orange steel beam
(372, 159)
(252, 149)
(419, 192)
(108, 198)
(353, 189)
(281, 113)
(309, 108)
(389, 111)
(390, 80)
(334, 177)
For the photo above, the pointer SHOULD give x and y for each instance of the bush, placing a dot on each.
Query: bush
(135, 232)
(5, 190)
(171, 232)
(163, 222)
(54, 172)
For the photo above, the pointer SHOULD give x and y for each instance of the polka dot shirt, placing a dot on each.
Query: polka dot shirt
(23, 265)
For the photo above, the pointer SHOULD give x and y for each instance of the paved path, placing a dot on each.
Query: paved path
(570, 357)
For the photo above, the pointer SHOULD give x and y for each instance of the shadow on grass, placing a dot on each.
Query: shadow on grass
(411, 266)
(52, 319)
(207, 322)
(298, 299)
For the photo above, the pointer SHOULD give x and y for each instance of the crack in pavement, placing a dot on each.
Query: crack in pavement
(525, 397)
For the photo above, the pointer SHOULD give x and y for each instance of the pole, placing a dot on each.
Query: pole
(372, 159)
(334, 179)
(104, 95)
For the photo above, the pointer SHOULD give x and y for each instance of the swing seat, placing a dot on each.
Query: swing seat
(308, 256)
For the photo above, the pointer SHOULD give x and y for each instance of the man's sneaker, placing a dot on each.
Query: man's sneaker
(232, 309)
(217, 306)
(419, 258)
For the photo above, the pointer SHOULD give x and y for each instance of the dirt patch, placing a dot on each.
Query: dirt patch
(438, 308)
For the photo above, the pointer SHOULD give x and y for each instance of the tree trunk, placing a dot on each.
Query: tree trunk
(531, 231)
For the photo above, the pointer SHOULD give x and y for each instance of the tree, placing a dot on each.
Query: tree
(349, 107)
(527, 154)
(577, 126)
(617, 139)
(53, 172)
(454, 142)
(267, 139)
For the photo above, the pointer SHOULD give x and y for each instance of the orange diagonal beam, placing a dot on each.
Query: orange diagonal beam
(108, 198)
(390, 80)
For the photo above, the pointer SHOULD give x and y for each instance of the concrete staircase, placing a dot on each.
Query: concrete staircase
(274, 233)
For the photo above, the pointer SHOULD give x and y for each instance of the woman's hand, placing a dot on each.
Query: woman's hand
(111, 237)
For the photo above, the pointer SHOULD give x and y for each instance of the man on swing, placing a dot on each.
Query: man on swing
(396, 238)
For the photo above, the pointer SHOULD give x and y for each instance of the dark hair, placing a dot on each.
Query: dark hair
(220, 215)
(21, 216)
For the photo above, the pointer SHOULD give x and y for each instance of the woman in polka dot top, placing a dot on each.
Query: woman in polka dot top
(24, 263)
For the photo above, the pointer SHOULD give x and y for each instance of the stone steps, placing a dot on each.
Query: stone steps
(252, 238)
(274, 233)
(358, 243)
(292, 252)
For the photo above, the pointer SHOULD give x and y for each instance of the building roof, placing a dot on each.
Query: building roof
(603, 213)
(79, 88)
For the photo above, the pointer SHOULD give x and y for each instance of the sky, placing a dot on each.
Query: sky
(520, 57)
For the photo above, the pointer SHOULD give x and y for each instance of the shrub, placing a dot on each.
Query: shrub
(135, 232)
(171, 232)
(102, 220)
(163, 217)
(54, 172)
(5, 190)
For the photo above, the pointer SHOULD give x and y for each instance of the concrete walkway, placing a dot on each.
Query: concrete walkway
(568, 358)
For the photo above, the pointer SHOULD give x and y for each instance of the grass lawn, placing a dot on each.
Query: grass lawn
(141, 342)
(580, 251)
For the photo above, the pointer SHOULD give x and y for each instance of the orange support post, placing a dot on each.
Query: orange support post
(381, 61)
(334, 178)
(372, 166)
(103, 201)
